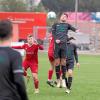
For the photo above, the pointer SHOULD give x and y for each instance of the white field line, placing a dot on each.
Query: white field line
(87, 63)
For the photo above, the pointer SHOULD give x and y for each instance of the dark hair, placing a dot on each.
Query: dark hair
(5, 29)
(30, 35)
(63, 13)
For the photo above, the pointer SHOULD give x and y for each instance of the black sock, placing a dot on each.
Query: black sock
(57, 69)
(66, 81)
(63, 72)
(69, 82)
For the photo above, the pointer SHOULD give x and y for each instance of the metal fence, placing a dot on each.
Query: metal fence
(87, 39)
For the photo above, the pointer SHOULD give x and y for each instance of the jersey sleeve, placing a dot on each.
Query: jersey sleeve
(70, 27)
(40, 47)
(17, 63)
(19, 47)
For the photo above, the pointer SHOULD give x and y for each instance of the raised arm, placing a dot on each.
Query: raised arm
(53, 30)
(70, 27)
(41, 47)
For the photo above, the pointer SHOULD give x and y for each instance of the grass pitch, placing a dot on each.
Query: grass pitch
(86, 83)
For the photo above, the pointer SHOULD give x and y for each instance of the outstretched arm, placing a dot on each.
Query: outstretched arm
(18, 47)
(70, 27)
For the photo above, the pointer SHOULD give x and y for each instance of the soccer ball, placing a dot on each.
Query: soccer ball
(51, 15)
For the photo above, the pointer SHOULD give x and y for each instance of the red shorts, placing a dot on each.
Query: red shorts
(30, 64)
(51, 57)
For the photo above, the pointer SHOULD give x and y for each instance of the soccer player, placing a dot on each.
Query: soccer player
(71, 53)
(51, 60)
(59, 32)
(31, 59)
(12, 85)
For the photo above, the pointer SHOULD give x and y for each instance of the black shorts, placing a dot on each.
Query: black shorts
(60, 50)
(69, 64)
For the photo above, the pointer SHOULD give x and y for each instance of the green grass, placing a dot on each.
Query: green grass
(86, 83)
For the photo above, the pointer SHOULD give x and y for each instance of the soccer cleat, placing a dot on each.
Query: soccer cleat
(67, 91)
(36, 91)
(63, 84)
(58, 84)
(50, 83)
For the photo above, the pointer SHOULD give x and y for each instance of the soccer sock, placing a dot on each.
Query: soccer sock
(50, 73)
(36, 83)
(66, 82)
(63, 72)
(57, 69)
(60, 73)
(69, 82)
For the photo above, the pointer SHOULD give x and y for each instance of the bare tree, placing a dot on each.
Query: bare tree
(58, 5)
(69, 5)
(13, 5)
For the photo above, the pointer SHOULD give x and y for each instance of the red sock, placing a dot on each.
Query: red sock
(25, 73)
(60, 73)
(50, 73)
(36, 83)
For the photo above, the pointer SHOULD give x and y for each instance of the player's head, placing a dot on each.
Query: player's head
(63, 17)
(30, 39)
(5, 30)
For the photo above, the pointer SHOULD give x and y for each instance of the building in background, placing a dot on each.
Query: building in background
(25, 22)
(89, 25)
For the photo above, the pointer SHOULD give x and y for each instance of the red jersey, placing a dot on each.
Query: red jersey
(31, 51)
(51, 44)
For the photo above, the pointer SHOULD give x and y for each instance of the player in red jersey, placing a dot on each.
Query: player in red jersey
(31, 59)
(51, 60)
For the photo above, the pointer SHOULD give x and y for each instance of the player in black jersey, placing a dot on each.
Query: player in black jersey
(12, 85)
(71, 57)
(60, 34)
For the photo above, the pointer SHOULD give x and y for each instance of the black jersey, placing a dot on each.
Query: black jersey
(71, 52)
(60, 31)
(11, 80)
